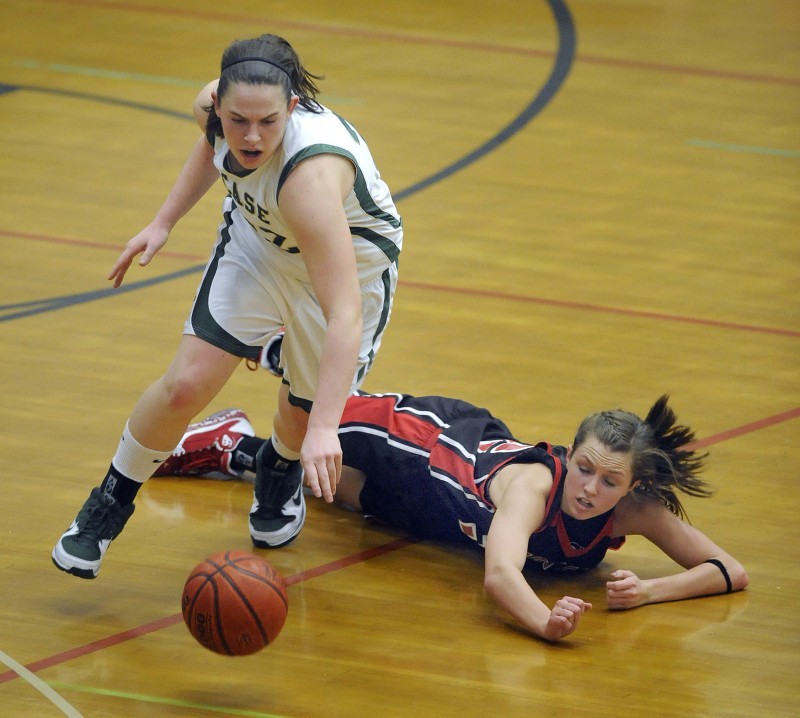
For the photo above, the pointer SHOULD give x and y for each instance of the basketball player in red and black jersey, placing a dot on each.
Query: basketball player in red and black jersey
(446, 470)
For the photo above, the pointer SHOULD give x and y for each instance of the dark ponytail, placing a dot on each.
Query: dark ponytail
(670, 463)
(663, 461)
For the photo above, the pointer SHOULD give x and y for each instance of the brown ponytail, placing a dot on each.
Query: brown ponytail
(661, 461)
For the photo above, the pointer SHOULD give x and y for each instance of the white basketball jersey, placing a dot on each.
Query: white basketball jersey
(375, 224)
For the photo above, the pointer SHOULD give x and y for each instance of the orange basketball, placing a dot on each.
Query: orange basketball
(234, 603)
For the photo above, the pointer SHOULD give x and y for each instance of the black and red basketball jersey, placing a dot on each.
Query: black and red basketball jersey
(429, 463)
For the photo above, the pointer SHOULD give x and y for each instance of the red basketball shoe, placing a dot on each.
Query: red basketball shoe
(207, 447)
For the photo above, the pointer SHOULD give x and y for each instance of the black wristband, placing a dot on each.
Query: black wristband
(721, 567)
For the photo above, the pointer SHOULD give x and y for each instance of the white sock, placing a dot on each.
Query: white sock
(282, 449)
(135, 461)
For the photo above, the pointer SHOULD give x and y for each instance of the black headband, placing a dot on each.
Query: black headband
(257, 59)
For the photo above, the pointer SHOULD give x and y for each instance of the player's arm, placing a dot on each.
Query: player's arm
(683, 543)
(312, 204)
(195, 179)
(520, 495)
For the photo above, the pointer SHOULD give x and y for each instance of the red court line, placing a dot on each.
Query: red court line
(640, 313)
(685, 70)
(386, 35)
(168, 621)
(745, 429)
(88, 648)
(309, 26)
(94, 245)
(355, 558)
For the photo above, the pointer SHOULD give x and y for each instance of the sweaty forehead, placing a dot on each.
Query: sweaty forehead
(612, 462)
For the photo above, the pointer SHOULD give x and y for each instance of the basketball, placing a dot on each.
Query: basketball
(234, 603)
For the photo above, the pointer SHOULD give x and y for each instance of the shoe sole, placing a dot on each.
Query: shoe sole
(263, 544)
(62, 565)
(258, 542)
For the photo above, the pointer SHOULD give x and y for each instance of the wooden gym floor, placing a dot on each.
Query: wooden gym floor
(601, 205)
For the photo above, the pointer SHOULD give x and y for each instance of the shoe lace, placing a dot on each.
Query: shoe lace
(103, 520)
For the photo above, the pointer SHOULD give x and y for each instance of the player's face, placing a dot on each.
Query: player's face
(597, 478)
(254, 121)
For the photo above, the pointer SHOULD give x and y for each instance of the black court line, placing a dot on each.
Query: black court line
(565, 55)
(27, 309)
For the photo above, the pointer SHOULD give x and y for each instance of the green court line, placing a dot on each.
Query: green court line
(107, 74)
(753, 149)
(163, 701)
(139, 77)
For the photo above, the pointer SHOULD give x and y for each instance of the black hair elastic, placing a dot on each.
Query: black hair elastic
(721, 567)
(257, 59)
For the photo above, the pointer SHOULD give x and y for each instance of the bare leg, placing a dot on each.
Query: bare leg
(196, 375)
(290, 422)
(349, 489)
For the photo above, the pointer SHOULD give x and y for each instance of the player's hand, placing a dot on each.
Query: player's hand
(321, 458)
(564, 617)
(625, 590)
(146, 243)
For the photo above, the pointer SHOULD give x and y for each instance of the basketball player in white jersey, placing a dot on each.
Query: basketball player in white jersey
(309, 241)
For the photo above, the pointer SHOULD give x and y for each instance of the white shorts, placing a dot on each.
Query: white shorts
(244, 298)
